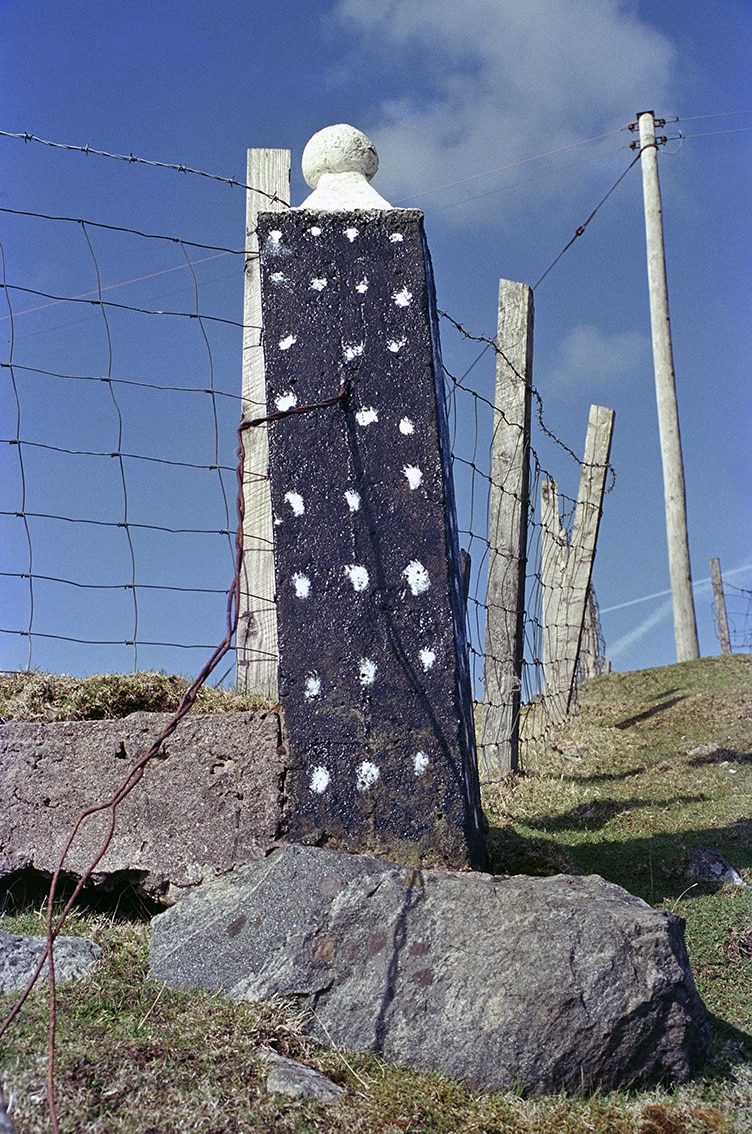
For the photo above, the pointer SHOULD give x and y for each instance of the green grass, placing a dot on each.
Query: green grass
(654, 763)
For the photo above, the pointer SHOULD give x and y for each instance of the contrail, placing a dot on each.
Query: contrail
(698, 585)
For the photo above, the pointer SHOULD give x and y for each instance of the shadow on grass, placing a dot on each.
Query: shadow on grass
(729, 1048)
(606, 777)
(651, 867)
(595, 814)
(669, 703)
(721, 756)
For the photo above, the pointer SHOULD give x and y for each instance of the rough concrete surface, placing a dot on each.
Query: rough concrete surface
(542, 983)
(20, 953)
(375, 693)
(210, 800)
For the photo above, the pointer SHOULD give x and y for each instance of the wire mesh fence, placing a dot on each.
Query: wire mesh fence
(120, 400)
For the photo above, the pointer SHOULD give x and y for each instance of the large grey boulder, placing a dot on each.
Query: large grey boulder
(212, 798)
(541, 983)
(20, 953)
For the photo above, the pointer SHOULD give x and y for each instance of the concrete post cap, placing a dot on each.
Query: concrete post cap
(338, 162)
(339, 149)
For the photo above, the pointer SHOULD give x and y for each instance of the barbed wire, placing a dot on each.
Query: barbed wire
(491, 344)
(131, 159)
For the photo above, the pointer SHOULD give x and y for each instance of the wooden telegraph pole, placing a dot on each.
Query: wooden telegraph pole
(685, 623)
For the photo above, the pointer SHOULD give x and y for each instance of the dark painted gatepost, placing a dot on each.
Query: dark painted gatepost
(374, 682)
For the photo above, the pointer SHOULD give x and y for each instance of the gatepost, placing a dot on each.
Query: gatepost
(374, 683)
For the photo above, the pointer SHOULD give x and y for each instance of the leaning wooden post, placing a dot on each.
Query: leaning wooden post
(498, 751)
(374, 680)
(268, 178)
(587, 518)
(554, 556)
(720, 606)
(567, 610)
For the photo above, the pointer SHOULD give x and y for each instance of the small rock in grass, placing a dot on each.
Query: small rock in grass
(288, 1077)
(19, 956)
(707, 865)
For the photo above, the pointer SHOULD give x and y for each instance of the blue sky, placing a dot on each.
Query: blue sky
(459, 99)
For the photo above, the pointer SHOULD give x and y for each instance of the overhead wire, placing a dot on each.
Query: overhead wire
(511, 165)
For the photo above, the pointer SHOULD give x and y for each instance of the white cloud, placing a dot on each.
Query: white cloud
(473, 86)
(592, 359)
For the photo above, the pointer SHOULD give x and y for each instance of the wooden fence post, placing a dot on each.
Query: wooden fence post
(720, 606)
(554, 556)
(268, 178)
(564, 613)
(498, 751)
(591, 662)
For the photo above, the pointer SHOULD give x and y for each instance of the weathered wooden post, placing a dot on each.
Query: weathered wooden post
(567, 570)
(268, 180)
(719, 600)
(374, 684)
(591, 662)
(554, 558)
(498, 751)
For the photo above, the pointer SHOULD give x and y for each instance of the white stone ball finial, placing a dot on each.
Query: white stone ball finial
(338, 162)
(339, 149)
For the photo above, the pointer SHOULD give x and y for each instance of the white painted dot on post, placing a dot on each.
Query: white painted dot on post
(413, 475)
(296, 502)
(420, 762)
(353, 499)
(406, 426)
(366, 776)
(312, 686)
(286, 401)
(357, 575)
(338, 163)
(367, 671)
(302, 585)
(367, 416)
(417, 577)
(320, 779)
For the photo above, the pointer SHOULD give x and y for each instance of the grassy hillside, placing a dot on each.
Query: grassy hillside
(655, 763)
